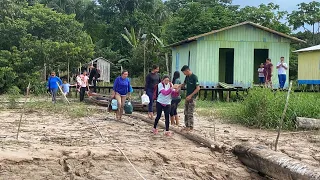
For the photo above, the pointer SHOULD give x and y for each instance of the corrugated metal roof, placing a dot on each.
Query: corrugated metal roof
(237, 25)
(312, 48)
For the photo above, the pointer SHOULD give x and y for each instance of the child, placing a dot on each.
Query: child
(65, 87)
(261, 74)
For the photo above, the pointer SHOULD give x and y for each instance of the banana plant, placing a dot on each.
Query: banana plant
(160, 42)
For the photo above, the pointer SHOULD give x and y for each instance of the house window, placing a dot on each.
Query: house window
(177, 62)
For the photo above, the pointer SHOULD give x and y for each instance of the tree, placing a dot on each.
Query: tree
(196, 19)
(266, 15)
(308, 14)
(38, 36)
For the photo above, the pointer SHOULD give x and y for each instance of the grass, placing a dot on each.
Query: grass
(74, 110)
(263, 108)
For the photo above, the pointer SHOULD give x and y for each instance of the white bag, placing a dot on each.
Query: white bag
(145, 99)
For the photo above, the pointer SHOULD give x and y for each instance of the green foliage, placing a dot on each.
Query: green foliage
(13, 94)
(32, 37)
(263, 108)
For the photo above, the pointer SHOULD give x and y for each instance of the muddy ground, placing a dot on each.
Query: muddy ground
(54, 146)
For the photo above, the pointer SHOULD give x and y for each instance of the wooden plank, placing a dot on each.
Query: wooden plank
(275, 164)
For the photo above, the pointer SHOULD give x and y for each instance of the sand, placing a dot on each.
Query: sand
(53, 146)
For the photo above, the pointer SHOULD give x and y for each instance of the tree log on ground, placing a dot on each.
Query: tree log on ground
(307, 123)
(275, 164)
(214, 146)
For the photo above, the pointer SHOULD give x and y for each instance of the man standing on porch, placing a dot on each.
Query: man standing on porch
(282, 68)
(192, 83)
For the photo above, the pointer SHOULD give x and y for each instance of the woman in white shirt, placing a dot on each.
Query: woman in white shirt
(163, 103)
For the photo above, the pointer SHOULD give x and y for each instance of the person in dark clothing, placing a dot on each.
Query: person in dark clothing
(176, 98)
(192, 88)
(152, 79)
(93, 77)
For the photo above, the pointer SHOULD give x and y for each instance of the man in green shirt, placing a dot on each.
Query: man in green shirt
(192, 85)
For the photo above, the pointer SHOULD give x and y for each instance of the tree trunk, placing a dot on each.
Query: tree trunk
(307, 123)
(275, 164)
(214, 146)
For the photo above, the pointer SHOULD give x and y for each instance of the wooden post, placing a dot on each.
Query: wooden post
(283, 116)
(23, 109)
(65, 97)
(68, 71)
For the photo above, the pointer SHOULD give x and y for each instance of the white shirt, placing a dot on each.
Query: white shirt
(282, 70)
(84, 80)
(260, 71)
(162, 99)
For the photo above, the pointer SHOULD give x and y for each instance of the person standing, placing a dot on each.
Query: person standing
(53, 86)
(84, 85)
(176, 99)
(152, 80)
(192, 83)
(121, 88)
(282, 75)
(163, 104)
(65, 87)
(261, 74)
(93, 76)
(267, 71)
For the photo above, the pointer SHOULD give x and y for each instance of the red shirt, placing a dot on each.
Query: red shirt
(267, 69)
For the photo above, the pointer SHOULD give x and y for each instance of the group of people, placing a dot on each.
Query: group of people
(168, 97)
(166, 93)
(82, 83)
(265, 72)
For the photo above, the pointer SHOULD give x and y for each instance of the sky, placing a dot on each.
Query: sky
(287, 5)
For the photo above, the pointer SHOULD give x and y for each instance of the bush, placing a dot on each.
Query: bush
(263, 108)
(13, 94)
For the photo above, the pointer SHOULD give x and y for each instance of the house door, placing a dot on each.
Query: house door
(226, 65)
(260, 56)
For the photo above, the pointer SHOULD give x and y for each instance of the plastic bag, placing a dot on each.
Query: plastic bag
(145, 99)
(114, 104)
(128, 108)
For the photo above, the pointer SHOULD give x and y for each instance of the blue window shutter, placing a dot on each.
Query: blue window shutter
(177, 62)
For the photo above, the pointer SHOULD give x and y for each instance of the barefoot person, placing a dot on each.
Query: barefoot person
(191, 81)
(152, 79)
(282, 68)
(121, 88)
(163, 104)
(53, 86)
(176, 98)
(268, 70)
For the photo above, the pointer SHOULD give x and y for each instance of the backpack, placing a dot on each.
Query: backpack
(114, 104)
(98, 74)
(155, 90)
(128, 108)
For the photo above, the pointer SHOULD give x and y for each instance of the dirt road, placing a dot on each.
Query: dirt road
(57, 147)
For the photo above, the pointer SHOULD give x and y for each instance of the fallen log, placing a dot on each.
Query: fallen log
(214, 146)
(307, 123)
(275, 164)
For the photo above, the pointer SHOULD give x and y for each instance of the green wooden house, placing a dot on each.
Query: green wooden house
(232, 54)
